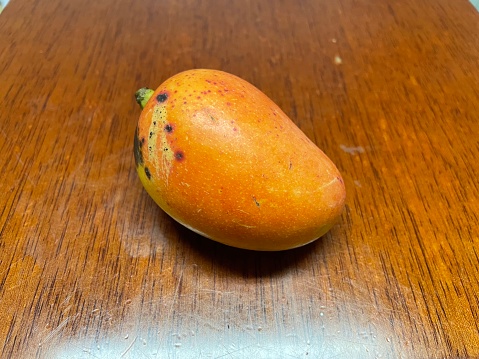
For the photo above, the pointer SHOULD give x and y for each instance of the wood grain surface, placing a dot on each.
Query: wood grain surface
(90, 267)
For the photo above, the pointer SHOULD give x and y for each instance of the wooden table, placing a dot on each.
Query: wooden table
(92, 268)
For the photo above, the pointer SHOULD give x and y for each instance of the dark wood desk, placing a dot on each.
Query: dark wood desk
(92, 268)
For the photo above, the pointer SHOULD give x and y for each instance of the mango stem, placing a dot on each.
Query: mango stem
(143, 95)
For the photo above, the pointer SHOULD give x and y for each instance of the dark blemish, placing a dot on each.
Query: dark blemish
(142, 141)
(234, 129)
(151, 134)
(147, 172)
(169, 128)
(162, 97)
(339, 179)
(198, 97)
(179, 156)
(256, 201)
(154, 123)
(165, 149)
(290, 165)
(212, 118)
(137, 149)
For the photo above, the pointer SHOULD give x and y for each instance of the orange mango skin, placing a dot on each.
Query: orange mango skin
(221, 158)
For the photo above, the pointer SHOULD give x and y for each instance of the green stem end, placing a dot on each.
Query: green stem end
(143, 95)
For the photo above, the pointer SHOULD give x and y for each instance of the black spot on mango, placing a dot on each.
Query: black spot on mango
(179, 155)
(137, 149)
(147, 173)
(162, 97)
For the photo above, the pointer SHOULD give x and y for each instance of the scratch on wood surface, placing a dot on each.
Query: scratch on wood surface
(215, 291)
(177, 290)
(235, 350)
(212, 325)
(352, 150)
(4, 134)
(58, 329)
(67, 299)
(129, 347)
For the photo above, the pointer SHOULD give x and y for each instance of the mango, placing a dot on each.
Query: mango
(222, 159)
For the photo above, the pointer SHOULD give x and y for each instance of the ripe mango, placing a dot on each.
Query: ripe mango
(221, 158)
